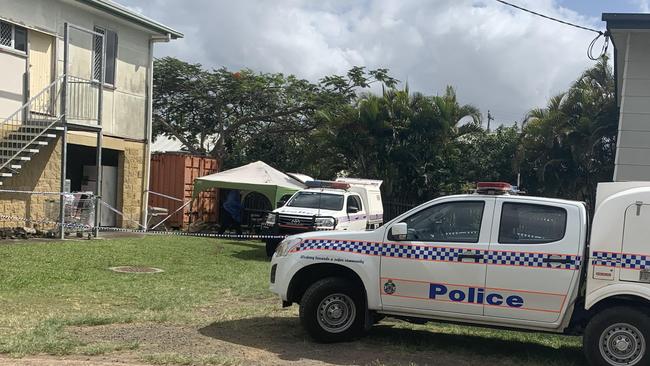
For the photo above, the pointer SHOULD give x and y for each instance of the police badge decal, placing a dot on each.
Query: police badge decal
(389, 287)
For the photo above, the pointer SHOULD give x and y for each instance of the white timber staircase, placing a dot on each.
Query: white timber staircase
(29, 130)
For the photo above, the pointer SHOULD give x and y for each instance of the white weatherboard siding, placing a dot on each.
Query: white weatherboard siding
(633, 149)
(125, 103)
(12, 70)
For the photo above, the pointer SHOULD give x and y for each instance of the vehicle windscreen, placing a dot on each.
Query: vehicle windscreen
(324, 201)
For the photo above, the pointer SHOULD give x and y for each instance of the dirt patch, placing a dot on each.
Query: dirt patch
(67, 361)
(281, 341)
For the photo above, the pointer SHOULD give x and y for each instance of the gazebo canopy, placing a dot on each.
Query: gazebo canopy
(256, 177)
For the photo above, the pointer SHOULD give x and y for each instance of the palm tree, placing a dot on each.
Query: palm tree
(570, 144)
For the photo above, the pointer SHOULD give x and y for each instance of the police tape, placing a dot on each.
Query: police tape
(8, 218)
(46, 193)
(183, 233)
(119, 213)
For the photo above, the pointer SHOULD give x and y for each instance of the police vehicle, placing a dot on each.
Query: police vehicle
(493, 258)
(344, 204)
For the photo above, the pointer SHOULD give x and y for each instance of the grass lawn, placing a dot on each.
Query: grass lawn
(210, 306)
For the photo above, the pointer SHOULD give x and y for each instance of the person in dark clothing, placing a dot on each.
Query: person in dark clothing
(232, 218)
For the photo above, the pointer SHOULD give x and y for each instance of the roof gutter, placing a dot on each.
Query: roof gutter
(627, 21)
(131, 16)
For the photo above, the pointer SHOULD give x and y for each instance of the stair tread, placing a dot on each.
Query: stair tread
(24, 138)
(55, 127)
(44, 135)
(16, 141)
(31, 150)
(23, 158)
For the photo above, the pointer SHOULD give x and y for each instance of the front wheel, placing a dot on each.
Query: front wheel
(332, 310)
(618, 336)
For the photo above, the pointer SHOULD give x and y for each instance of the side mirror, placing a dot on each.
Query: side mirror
(353, 209)
(398, 231)
(281, 203)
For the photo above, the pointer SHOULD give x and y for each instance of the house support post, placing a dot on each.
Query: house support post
(98, 185)
(64, 121)
(100, 135)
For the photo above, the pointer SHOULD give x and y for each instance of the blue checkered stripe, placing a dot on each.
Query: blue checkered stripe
(606, 259)
(440, 254)
(530, 260)
(635, 261)
(422, 252)
(621, 260)
(348, 246)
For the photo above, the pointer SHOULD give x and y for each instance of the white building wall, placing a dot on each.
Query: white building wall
(633, 149)
(12, 71)
(125, 103)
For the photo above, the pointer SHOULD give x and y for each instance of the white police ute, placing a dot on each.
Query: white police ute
(345, 204)
(493, 258)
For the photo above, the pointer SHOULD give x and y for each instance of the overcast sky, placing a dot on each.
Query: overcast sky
(498, 58)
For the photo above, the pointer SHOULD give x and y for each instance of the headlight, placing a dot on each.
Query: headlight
(270, 219)
(324, 222)
(286, 245)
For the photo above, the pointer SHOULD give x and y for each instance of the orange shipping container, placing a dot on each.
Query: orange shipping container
(173, 174)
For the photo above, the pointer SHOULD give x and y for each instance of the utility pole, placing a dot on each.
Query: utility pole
(489, 118)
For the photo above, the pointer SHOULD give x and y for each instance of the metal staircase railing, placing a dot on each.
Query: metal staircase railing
(69, 102)
(23, 132)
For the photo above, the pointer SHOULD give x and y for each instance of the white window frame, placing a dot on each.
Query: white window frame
(12, 47)
(98, 29)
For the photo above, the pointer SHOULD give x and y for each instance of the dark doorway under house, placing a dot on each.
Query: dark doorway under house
(81, 172)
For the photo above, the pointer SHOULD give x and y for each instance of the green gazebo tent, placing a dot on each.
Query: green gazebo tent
(254, 177)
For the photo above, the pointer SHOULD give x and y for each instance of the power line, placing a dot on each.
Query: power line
(590, 49)
(551, 18)
(603, 50)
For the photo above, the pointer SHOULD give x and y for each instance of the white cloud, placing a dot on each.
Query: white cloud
(644, 5)
(497, 57)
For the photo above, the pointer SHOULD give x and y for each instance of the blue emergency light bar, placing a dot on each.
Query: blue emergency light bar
(326, 184)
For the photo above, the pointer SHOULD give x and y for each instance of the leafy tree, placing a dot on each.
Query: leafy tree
(420, 146)
(212, 111)
(404, 139)
(488, 156)
(569, 146)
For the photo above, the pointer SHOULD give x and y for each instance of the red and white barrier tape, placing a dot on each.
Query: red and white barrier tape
(140, 231)
(42, 192)
(203, 235)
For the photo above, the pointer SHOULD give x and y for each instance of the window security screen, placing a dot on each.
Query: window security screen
(111, 55)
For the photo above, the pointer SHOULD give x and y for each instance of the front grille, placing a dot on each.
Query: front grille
(274, 269)
(295, 220)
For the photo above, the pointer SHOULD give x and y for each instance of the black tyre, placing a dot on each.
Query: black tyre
(618, 336)
(271, 246)
(333, 310)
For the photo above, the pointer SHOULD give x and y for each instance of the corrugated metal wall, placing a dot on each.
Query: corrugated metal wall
(173, 174)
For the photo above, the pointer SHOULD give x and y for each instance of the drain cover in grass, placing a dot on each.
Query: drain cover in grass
(135, 269)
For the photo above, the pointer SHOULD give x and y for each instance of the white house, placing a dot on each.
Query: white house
(631, 38)
(51, 121)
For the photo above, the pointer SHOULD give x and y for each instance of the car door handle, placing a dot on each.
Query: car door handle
(557, 260)
(473, 256)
